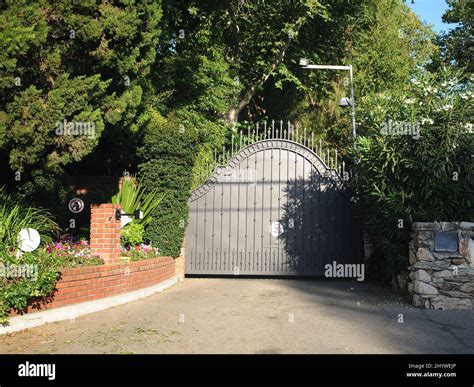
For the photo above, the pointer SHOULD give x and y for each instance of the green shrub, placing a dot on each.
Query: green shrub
(404, 177)
(15, 215)
(132, 234)
(17, 291)
(40, 271)
(167, 159)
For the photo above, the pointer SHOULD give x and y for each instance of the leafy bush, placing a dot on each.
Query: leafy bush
(405, 176)
(132, 234)
(15, 215)
(32, 276)
(167, 158)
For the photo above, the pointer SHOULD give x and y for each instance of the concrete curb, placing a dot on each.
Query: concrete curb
(69, 312)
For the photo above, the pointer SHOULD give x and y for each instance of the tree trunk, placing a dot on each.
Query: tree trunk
(232, 115)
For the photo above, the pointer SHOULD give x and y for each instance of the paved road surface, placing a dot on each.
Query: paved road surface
(257, 316)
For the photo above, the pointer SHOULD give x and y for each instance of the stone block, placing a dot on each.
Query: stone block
(412, 257)
(470, 251)
(467, 288)
(422, 275)
(443, 274)
(445, 255)
(463, 247)
(466, 226)
(449, 226)
(454, 294)
(449, 303)
(424, 288)
(418, 301)
(423, 254)
(438, 265)
(423, 226)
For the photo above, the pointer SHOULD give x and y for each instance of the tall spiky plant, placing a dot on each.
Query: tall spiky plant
(132, 197)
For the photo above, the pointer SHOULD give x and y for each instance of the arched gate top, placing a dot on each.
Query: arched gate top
(324, 170)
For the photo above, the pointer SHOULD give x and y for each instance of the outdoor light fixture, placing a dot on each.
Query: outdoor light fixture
(344, 102)
(304, 62)
(137, 214)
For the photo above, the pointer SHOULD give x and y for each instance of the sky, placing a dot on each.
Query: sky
(430, 11)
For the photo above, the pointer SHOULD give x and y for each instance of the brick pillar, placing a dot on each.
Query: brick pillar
(180, 267)
(105, 232)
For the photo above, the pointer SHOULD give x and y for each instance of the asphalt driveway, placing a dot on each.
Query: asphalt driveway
(257, 316)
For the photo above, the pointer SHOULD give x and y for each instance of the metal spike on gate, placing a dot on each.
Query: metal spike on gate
(273, 130)
(285, 136)
(257, 130)
(304, 137)
(321, 148)
(343, 168)
(248, 134)
(327, 158)
(297, 129)
(281, 128)
(335, 162)
(312, 141)
(269, 133)
(232, 153)
(240, 144)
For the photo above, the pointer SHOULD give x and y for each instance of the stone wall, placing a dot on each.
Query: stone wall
(442, 279)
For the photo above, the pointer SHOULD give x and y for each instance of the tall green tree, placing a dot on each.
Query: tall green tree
(456, 45)
(80, 64)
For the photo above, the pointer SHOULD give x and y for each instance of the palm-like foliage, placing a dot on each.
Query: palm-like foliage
(132, 197)
(16, 215)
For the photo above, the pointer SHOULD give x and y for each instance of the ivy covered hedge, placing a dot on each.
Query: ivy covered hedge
(167, 159)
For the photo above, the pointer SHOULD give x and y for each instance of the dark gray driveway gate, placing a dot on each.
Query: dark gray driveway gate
(275, 208)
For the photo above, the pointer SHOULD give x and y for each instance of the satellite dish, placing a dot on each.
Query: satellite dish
(29, 239)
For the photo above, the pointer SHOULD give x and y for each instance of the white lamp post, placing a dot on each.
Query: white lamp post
(344, 102)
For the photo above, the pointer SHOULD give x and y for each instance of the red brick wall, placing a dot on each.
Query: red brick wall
(94, 282)
(105, 232)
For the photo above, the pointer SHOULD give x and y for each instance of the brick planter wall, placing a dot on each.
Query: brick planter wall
(94, 282)
(442, 279)
(90, 283)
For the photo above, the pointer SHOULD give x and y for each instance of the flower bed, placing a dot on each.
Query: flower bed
(139, 252)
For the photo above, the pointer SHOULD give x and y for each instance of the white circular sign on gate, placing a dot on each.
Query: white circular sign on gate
(276, 229)
(28, 239)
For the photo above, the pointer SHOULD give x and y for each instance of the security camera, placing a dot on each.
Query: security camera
(345, 102)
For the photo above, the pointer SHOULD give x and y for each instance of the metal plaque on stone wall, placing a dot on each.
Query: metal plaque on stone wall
(446, 241)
